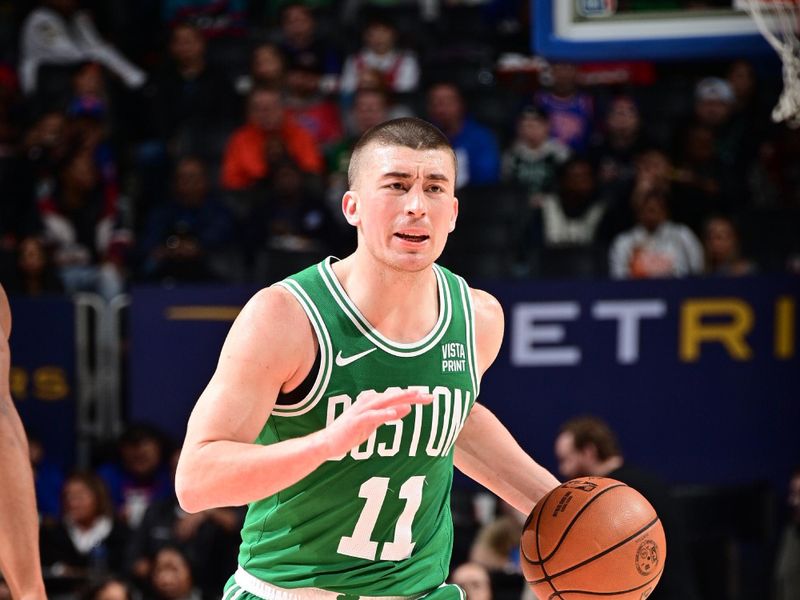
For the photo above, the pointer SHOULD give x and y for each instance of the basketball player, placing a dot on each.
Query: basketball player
(345, 393)
(19, 523)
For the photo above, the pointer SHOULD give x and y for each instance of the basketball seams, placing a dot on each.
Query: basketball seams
(569, 526)
(538, 549)
(557, 593)
(600, 567)
(608, 550)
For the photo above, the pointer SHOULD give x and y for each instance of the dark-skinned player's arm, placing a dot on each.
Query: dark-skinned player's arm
(19, 521)
(269, 345)
(485, 450)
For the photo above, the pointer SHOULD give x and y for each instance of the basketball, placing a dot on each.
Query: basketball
(593, 536)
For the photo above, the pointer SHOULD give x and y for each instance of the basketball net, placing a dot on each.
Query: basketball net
(779, 21)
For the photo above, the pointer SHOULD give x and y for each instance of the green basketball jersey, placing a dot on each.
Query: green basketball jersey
(376, 521)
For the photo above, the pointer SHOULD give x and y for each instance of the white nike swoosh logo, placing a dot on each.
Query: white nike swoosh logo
(341, 361)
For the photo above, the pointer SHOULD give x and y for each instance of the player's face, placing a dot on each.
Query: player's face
(403, 204)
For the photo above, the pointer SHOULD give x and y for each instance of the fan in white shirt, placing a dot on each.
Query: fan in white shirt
(655, 247)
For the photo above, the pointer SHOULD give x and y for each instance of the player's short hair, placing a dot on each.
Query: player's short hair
(593, 430)
(409, 132)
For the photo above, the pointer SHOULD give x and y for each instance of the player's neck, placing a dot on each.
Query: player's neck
(402, 306)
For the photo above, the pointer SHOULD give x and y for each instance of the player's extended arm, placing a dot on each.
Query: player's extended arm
(19, 523)
(265, 348)
(485, 450)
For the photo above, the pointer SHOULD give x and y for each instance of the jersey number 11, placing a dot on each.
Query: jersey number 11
(374, 490)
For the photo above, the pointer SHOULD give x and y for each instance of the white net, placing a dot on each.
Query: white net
(778, 21)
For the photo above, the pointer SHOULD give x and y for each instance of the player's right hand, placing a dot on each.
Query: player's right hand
(365, 415)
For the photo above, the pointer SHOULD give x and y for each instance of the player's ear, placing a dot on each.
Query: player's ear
(454, 216)
(350, 207)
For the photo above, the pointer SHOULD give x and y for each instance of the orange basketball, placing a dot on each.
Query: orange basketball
(593, 538)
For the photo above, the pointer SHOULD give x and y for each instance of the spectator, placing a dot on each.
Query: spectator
(534, 158)
(139, 475)
(110, 588)
(188, 94)
(81, 224)
(653, 172)
(267, 69)
(300, 43)
(306, 105)
(723, 255)
(570, 218)
(571, 112)
(182, 236)
(715, 106)
(655, 247)
(787, 563)
(209, 539)
(473, 578)
(701, 186)
(397, 70)
(614, 155)
(586, 446)
(496, 550)
(44, 147)
(88, 125)
(172, 577)
(496, 545)
(476, 149)
(295, 214)
(268, 131)
(58, 33)
(35, 272)
(87, 540)
(88, 87)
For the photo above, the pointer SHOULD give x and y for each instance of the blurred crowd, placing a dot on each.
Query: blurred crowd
(208, 140)
(115, 530)
(170, 141)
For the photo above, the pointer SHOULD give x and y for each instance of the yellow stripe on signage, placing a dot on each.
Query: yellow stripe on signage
(202, 313)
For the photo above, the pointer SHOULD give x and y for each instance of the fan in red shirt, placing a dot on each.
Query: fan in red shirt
(268, 131)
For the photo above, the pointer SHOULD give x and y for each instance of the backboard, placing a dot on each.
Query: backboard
(582, 30)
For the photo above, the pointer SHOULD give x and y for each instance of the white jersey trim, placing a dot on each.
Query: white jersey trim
(472, 349)
(367, 330)
(325, 348)
(267, 591)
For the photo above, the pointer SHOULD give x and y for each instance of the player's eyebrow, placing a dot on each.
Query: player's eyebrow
(403, 175)
(437, 177)
(396, 175)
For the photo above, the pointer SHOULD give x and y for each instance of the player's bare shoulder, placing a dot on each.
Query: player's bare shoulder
(274, 315)
(489, 327)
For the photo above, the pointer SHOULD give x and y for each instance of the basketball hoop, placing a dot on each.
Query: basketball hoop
(779, 23)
